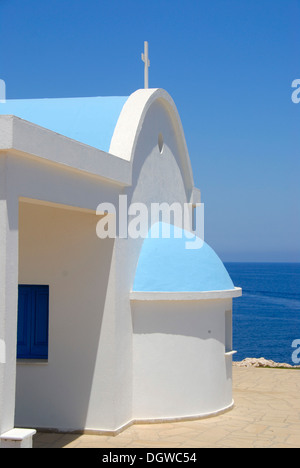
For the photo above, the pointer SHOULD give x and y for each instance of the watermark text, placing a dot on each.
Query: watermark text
(2, 91)
(296, 353)
(296, 94)
(165, 220)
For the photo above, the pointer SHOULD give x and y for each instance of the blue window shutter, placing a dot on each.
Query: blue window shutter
(39, 323)
(33, 319)
(23, 336)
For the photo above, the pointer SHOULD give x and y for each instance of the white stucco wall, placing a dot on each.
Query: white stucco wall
(59, 248)
(8, 298)
(27, 177)
(180, 367)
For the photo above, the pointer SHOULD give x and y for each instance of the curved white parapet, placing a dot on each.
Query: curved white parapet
(130, 123)
(184, 295)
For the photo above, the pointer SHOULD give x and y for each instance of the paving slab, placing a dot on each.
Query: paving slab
(266, 414)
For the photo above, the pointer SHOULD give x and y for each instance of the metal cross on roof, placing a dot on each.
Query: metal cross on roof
(147, 65)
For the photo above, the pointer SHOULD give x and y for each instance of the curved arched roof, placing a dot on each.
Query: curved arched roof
(166, 265)
(111, 124)
(130, 123)
(89, 120)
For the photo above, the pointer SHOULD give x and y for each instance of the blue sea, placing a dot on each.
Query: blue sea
(266, 319)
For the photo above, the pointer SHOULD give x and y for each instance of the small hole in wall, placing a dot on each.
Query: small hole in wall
(160, 143)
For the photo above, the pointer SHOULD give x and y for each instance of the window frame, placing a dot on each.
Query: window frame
(33, 322)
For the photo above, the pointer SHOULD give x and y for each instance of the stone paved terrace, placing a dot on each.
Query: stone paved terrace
(266, 414)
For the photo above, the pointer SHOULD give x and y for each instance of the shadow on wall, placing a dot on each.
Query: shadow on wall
(203, 321)
(178, 318)
(59, 247)
(158, 158)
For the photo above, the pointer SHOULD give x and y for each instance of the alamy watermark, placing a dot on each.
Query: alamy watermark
(2, 92)
(296, 94)
(165, 220)
(296, 353)
(296, 99)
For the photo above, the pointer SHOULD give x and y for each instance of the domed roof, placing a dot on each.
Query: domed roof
(89, 120)
(165, 264)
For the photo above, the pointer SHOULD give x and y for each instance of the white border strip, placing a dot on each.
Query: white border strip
(184, 295)
(148, 421)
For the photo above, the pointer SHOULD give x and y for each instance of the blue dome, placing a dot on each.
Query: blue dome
(90, 120)
(165, 264)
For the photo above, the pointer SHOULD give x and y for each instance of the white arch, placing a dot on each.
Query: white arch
(130, 123)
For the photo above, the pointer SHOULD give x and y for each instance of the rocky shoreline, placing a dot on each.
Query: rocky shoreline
(262, 362)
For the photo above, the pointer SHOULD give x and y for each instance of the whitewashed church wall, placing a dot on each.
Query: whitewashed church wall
(180, 367)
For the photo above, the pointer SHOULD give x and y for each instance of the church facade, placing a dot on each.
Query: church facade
(98, 331)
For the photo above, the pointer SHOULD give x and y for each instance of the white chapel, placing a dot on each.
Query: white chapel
(97, 333)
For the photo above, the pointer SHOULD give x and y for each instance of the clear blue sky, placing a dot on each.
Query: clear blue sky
(228, 64)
